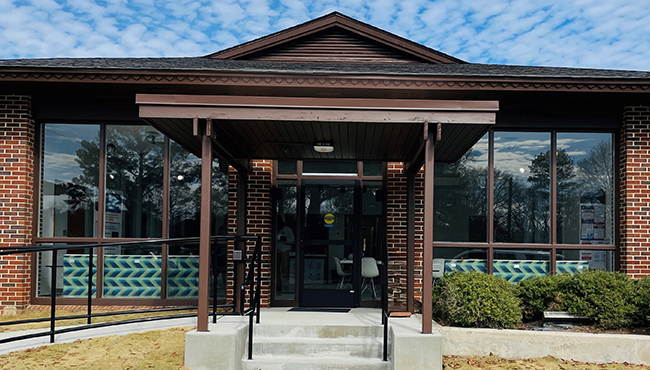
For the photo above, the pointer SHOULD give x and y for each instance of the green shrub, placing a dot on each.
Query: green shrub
(539, 294)
(475, 299)
(604, 297)
(642, 300)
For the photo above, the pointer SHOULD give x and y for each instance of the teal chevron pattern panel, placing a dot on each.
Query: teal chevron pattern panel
(465, 265)
(75, 276)
(571, 267)
(132, 276)
(516, 270)
(183, 277)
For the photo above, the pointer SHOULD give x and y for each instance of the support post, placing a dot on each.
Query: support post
(205, 235)
(427, 243)
(410, 241)
(242, 200)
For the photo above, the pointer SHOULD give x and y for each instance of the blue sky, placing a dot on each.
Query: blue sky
(571, 33)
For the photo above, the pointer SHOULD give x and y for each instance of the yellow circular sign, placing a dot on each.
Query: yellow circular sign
(329, 219)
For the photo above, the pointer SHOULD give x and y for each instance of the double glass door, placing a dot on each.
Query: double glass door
(335, 256)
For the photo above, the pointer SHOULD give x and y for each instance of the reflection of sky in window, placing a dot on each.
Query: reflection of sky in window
(61, 144)
(514, 151)
(479, 154)
(578, 145)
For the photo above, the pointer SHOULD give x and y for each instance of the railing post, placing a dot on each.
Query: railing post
(53, 295)
(258, 293)
(214, 280)
(250, 336)
(90, 285)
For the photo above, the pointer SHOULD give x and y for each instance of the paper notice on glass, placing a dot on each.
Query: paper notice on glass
(587, 231)
(599, 231)
(599, 213)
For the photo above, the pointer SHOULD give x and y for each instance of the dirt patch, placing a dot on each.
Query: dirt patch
(544, 363)
(160, 349)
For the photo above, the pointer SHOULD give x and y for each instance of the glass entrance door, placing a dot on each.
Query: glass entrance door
(331, 244)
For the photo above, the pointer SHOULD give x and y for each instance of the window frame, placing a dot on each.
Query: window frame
(553, 246)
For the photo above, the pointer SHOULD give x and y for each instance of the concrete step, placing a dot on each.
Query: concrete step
(266, 362)
(317, 331)
(368, 347)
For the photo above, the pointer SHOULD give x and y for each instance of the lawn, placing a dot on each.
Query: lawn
(163, 349)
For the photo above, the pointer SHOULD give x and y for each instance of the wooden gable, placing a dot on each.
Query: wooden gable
(334, 38)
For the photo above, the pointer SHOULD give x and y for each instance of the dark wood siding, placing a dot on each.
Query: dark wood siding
(334, 46)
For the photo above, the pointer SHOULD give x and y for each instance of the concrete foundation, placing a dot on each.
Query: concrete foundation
(514, 344)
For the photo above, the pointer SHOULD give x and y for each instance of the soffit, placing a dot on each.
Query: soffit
(287, 128)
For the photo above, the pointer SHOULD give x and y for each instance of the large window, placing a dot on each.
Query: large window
(134, 161)
(548, 197)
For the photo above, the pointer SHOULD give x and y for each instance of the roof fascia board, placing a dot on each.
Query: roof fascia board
(321, 115)
(329, 21)
(316, 103)
(391, 82)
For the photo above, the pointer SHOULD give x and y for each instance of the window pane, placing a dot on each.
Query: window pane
(460, 197)
(459, 259)
(577, 260)
(348, 168)
(132, 271)
(184, 193)
(285, 241)
(72, 272)
(522, 170)
(515, 265)
(372, 169)
(134, 169)
(287, 167)
(585, 188)
(70, 176)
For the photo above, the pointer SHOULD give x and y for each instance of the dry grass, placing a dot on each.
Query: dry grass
(37, 314)
(160, 349)
(544, 363)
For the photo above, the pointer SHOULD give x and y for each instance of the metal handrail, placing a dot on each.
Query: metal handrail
(53, 331)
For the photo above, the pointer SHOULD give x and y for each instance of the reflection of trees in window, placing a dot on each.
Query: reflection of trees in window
(522, 208)
(461, 200)
(593, 184)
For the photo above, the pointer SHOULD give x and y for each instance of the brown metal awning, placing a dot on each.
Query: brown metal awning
(252, 127)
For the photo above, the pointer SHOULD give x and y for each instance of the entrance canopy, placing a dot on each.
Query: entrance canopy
(255, 127)
(241, 128)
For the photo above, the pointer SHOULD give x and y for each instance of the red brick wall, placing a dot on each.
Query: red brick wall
(396, 233)
(16, 198)
(635, 192)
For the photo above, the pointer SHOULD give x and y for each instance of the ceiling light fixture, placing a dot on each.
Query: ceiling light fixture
(324, 147)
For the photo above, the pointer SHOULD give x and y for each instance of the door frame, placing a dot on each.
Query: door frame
(297, 178)
(330, 294)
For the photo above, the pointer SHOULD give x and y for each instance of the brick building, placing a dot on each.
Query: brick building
(321, 135)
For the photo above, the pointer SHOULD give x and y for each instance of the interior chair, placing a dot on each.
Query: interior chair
(369, 272)
(342, 274)
(438, 269)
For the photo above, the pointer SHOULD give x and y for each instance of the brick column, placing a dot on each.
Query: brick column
(17, 137)
(635, 192)
(259, 218)
(396, 233)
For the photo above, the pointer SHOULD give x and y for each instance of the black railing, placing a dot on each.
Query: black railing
(253, 282)
(385, 314)
(228, 308)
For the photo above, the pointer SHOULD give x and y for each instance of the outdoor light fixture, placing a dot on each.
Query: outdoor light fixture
(324, 147)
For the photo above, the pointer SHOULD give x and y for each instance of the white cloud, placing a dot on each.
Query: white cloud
(580, 33)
